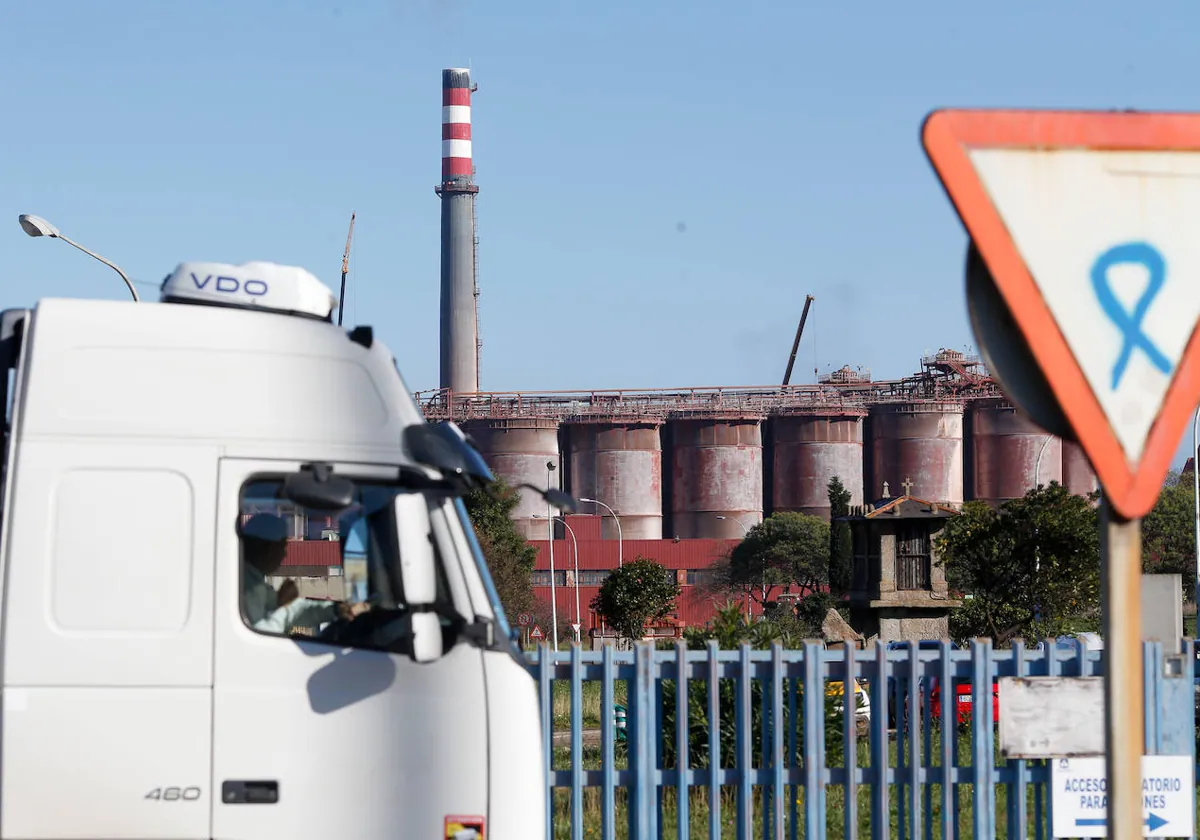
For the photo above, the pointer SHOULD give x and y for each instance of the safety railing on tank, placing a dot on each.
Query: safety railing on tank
(786, 763)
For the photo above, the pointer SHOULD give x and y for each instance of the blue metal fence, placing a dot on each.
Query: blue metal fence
(786, 764)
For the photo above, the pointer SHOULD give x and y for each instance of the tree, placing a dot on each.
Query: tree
(1027, 570)
(634, 594)
(509, 557)
(786, 549)
(841, 549)
(1168, 534)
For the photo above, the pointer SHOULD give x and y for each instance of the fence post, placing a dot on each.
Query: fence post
(1170, 701)
(642, 745)
(814, 740)
(545, 675)
(983, 733)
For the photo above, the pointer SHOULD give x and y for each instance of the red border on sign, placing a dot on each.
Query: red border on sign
(947, 137)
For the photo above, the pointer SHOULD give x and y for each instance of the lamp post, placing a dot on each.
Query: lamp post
(617, 519)
(746, 533)
(1037, 465)
(550, 468)
(37, 226)
(575, 547)
(745, 530)
(1037, 550)
(1196, 500)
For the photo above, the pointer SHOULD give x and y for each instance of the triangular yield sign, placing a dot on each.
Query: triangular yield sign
(1087, 222)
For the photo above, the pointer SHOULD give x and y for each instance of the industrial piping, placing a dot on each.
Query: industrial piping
(459, 324)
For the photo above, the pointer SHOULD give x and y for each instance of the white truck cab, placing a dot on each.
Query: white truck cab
(166, 467)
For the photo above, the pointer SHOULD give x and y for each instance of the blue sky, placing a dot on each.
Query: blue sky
(661, 182)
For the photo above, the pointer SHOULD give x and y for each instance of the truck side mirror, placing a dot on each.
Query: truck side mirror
(418, 575)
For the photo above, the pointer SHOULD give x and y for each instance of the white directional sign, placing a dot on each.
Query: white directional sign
(1080, 800)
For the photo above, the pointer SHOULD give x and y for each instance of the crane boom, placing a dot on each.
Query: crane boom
(345, 269)
(787, 375)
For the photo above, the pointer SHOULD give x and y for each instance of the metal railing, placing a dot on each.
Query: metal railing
(786, 764)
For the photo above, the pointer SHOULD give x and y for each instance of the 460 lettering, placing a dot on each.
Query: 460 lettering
(231, 285)
(174, 794)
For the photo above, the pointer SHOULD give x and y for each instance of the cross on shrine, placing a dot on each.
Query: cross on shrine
(907, 485)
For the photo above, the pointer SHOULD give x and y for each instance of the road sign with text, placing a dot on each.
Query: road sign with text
(1086, 224)
(1081, 803)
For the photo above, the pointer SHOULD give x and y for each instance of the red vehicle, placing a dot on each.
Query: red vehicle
(962, 700)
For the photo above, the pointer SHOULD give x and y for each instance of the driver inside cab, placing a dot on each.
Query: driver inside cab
(264, 545)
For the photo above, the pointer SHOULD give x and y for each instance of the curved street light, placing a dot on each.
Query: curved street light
(1037, 465)
(37, 226)
(575, 546)
(550, 468)
(745, 530)
(617, 519)
(746, 533)
(1196, 497)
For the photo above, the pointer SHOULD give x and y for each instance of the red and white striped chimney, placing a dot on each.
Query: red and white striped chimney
(459, 312)
(456, 125)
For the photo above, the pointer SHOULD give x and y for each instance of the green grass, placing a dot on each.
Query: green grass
(591, 702)
(835, 810)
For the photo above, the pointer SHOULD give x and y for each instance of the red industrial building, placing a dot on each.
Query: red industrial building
(690, 559)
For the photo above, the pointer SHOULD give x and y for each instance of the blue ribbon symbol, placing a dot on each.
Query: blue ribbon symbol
(1130, 324)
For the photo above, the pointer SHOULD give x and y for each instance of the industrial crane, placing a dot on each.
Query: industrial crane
(787, 375)
(346, 269)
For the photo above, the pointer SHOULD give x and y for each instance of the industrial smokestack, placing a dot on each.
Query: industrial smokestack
(460, 329)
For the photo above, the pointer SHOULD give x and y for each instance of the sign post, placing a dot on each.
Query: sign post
(1083, 286)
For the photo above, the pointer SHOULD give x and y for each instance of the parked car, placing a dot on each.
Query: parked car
(963, 700)
(862, 711)
(900, 702)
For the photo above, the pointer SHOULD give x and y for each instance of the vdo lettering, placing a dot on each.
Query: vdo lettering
(231, 285)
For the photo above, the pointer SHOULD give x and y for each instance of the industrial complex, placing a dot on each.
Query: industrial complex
(708, 463)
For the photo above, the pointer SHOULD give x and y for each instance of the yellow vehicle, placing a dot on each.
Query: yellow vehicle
(862, 711)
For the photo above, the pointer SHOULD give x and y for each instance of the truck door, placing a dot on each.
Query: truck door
(318, 739)
(108, 642)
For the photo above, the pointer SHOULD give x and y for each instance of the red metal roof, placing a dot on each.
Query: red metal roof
(313, 553)
(603, 554)
(695, 605)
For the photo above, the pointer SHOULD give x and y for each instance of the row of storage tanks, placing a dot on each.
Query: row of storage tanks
(706, 475)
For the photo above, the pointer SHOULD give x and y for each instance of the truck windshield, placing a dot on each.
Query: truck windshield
(331, 576)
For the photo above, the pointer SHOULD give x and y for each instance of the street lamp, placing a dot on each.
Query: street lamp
(37, 226)
(575, 545)
(1037, 465)
(617, 519)
(1196, 499)
(550, 468)
(745, 530)
(746, 533)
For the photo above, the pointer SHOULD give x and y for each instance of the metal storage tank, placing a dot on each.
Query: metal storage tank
(918, 441)
(1010, 454)
(517, 449)
(809, 447)
(716, 470)
(1077, 474)
(618, 461)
